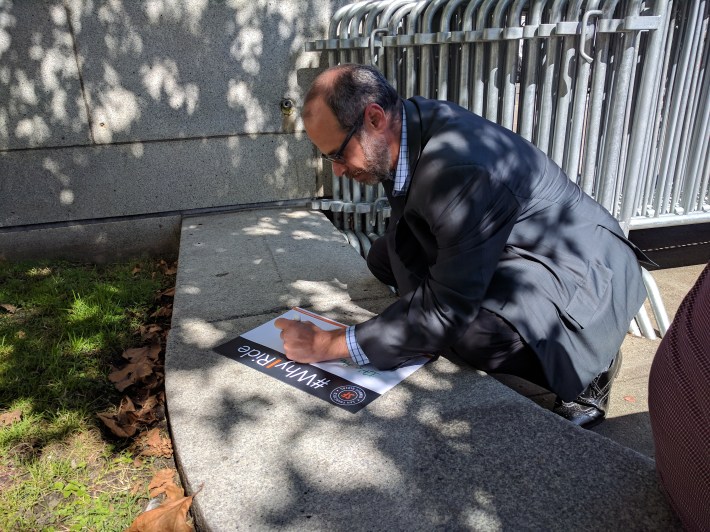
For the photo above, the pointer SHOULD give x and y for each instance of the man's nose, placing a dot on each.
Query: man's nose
(338, 168)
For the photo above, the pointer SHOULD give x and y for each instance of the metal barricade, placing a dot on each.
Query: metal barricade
(614, 91)
(669, 173)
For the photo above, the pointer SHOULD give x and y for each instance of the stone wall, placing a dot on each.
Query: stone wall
(119, 117)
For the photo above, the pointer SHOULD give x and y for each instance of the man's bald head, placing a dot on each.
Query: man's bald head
(347, 89)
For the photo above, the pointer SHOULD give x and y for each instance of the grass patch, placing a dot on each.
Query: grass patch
(61, 327)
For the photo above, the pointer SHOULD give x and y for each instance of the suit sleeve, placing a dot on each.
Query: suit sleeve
(471, 217)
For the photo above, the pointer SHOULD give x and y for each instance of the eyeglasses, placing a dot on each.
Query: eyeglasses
(337, 157)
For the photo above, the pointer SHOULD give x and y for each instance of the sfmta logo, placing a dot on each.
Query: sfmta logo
(347, 395)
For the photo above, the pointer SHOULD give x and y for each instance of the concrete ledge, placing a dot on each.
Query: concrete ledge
(97, 241)
(448, 448)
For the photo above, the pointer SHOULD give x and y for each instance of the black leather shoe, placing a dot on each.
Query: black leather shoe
(590, 407)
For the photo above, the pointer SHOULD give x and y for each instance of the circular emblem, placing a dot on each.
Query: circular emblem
(347, 395)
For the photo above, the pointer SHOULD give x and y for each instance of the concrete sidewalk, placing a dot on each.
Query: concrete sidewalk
(448, 448)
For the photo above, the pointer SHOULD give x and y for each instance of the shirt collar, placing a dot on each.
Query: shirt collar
(401, 175)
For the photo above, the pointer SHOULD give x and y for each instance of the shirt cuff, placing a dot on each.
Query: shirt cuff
(356, 352)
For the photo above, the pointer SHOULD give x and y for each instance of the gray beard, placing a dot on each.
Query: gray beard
(377, 160)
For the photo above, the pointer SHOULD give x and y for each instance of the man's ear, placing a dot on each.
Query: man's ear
(375, 117)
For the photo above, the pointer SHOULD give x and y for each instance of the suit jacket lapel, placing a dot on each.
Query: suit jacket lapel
(414, 134)
(396, 202)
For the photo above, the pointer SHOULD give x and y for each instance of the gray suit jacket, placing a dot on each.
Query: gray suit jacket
(496, 224)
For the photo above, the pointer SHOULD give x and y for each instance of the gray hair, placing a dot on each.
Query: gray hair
(352, 89)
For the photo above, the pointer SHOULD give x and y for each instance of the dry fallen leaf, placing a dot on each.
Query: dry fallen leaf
(170, 516)
(160, 480)
(131, 373)
(120, 430)
(126, 406)
(8, 418)
(123, 423)
(153, 438)
(148, 405)
(163, 312)
(153, 381)
(136, 270)
(9, 308)
(168, 269)
(170, 292)
(128, 419)
(630, 398)
(142, 354)
(155, 445)
(147, 396)
(150, 332)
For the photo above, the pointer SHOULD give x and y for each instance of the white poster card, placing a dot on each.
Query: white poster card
(340, 382)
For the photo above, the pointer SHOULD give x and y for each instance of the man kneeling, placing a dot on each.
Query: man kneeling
(496, 255)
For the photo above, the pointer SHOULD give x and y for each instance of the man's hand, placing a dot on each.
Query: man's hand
(305, 343)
